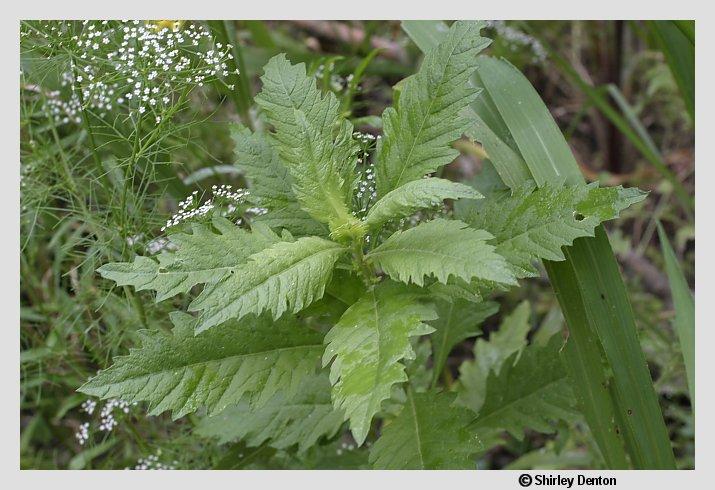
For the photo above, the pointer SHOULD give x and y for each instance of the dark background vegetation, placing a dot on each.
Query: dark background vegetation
(73, 322)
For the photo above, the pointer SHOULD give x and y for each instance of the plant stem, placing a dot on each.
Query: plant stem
(238, 75)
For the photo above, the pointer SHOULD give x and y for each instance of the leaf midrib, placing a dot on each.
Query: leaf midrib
(193, 365)
(427, 116)
(482, 418)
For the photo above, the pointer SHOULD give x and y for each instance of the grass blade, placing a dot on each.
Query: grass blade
(684, 305)
(582, 358)
(604, 316)
(677, 42)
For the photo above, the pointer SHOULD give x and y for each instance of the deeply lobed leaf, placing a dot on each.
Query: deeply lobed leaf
(440, 248)
(250, 361)
(489, 356)
(288, 276)
(313, 141)
(459, 319)
(430, 433)
(271, 183)
(535, 224)
(533, 392)
(300, 418)
(202, 256)
(418, 133)
(365, 348)
(415, 195)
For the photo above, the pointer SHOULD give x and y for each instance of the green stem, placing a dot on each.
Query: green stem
(87, 125)
(138, 305)
(238, 75)
(365, 270)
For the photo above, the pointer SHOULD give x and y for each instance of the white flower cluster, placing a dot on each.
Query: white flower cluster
(344, 447)
(366, 192)
(257, 211)
(136, 65)
(223, 197)
(63, 111)
(159, 245)
(518, 38)
(337, 83)
(239, 195)
(82, 434)
(152, 462)
(107, 420)
(88, 406)
(367, 188)
(364, 138)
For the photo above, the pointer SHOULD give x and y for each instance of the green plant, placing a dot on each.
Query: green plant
(603, 353)
(321, 308)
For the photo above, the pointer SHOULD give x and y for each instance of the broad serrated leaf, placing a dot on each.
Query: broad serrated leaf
(533, 392)
(441, 248)
(430, 433)
(252, 360)
(418, 134)
(270, 182)
(288, 276)
(300, 418)
(415, 195)
(535, 224)
(458, 320)
(313, 141)
(489, 355)
(366, 346)
(202, 256)
(323, 184)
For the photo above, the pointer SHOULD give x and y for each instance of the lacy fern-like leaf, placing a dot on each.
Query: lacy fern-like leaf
(285, 420)
(417, 135)
(271, 183)
(430, 433)
(535, 224)
(313, 140)
(415, 195)
(490, 355)
(202, 256)
(287, 276)
(366, 346)
(458, 319)
(533, 393)
(441, 248)
(251, 361)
